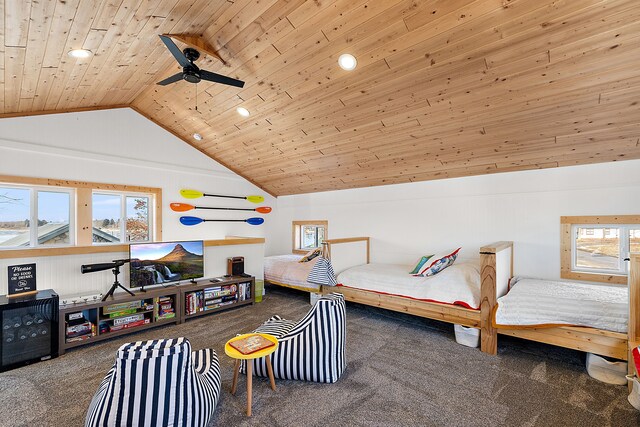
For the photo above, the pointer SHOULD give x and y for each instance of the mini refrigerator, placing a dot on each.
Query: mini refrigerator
(29, 329)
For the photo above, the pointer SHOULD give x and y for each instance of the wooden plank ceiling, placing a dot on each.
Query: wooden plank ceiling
(443, 88)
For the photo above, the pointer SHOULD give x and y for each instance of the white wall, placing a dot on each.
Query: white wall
(406, 221)
(122, 147)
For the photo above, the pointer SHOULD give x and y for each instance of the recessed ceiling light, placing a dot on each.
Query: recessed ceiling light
(80, 53)
(197, 137)
(347, 61)
(243, 112)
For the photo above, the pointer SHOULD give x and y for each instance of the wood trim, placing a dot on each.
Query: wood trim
(591, 340)
(601, 219)
(286, 285)
(443, 312)
(77, 250)
(329, 242)
(566, 222)
(63, 111)
(48, 182)
(496, 247)
(634, 301)
(84, 223)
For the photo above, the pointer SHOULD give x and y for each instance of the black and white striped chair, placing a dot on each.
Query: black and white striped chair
(158, 383)
(312, 349)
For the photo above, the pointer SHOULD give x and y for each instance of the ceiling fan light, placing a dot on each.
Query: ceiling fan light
(197, 136)
(347, 61)
(243, 112)
(80, 53)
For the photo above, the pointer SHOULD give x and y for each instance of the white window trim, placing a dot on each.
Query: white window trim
(33, 215)
(624, 248)
(123, 215)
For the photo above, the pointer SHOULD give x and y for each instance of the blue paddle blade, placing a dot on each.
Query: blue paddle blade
(190, 220)
(255, 221)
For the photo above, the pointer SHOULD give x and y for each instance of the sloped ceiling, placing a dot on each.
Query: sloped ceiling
(443, 88)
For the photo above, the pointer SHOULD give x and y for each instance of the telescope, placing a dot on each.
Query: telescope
(114, 266)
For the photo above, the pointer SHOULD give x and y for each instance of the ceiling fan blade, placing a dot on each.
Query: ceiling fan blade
(218, 78)
(175, 51)
(172, 79)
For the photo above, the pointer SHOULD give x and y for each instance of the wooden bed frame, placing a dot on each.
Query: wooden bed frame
(496, 267)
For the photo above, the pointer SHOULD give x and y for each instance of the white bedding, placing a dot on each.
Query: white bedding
(287, 270)
(548, 302)
(458, 284)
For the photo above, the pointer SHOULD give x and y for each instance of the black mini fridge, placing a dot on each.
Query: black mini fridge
(29, 329)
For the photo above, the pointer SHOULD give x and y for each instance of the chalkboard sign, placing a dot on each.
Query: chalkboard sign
(22, 279)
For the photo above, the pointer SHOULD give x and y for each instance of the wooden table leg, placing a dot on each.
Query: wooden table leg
(270, 372)
(236, 370)
(249, 385)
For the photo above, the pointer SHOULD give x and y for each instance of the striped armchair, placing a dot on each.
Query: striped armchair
(312, 349)
(158, 383)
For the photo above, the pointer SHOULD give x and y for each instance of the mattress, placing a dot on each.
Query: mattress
(458, 284)
(537, 302)
(287, 270)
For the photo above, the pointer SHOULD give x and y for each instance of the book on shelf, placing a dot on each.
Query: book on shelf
(121, 313)
(251, 344)
(108, 309)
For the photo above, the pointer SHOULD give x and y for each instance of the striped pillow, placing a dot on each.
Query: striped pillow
(420, 263)
(438, 262)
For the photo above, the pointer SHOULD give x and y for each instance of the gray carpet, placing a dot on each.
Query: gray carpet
(402, 371)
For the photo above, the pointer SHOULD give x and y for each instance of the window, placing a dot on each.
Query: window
(308, 235)
(594, 248)
(33, 216)
(42, 214)
(119, 218)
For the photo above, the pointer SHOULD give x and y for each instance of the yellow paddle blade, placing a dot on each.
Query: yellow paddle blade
(191, 194)
(255, 199)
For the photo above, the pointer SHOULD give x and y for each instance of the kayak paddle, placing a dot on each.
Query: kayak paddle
(183, 207)
(194, 194)
(192, 220)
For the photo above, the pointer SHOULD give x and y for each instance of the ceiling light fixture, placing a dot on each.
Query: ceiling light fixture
(197, 136)
(243, 112)
(80, 53)
(347, 62)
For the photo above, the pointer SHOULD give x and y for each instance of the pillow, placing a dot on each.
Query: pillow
(311, 255)
(438, 262)
(420, 263)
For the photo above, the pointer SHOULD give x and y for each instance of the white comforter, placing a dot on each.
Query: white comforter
(287, 270)
(458, 284)
(548, 302)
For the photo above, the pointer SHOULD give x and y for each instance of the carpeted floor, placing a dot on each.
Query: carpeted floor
(402, 371)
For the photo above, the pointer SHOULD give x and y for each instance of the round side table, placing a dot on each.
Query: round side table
(235, 354)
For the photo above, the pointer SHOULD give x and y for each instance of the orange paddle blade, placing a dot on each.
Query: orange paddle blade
(263, 209)
(181, 207)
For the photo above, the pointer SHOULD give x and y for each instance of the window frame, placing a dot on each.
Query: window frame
(568, 254)
(82, 214)
(297, 234)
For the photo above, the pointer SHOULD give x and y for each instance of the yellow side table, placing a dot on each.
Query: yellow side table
(235, 354)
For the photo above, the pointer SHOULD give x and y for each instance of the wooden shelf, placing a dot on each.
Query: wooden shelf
(176, 292)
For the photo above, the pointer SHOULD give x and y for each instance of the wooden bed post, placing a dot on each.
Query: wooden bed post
(634, 309)
(496, 267)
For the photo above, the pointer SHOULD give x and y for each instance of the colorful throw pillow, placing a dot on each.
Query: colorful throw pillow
(438, 262)
(311, 255)
(420, 263)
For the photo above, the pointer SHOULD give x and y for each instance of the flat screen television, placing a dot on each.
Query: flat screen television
(166, 262)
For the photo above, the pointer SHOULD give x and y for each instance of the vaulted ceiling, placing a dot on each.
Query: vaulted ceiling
(443, 88)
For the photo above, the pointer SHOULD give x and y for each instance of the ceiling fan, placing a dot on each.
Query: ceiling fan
(190, 71)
